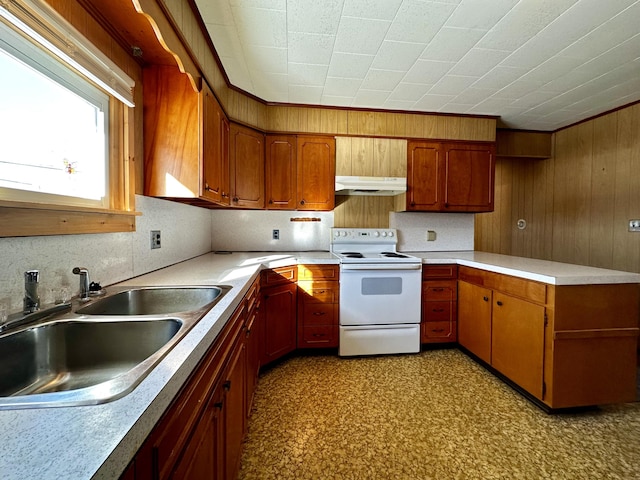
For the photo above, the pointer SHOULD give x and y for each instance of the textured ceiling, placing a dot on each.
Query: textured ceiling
(538, 64)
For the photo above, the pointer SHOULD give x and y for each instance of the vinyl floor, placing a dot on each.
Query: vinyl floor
(434, 415)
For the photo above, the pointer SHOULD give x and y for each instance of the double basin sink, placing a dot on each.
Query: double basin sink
(100, 352)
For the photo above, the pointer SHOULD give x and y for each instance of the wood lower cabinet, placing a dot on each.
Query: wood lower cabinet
(568, 346)
(318, 306)
(439, 304)
(474, 319)
(450, 176)
(278, 303)
(253, 335)
(201, 433)
(246, 167)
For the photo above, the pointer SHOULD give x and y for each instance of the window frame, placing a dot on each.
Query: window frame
(33, 218)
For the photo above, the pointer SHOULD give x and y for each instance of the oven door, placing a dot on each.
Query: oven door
(380, 294)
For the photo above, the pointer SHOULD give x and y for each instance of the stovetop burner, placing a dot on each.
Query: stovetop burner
(393, 255)
(353, 255)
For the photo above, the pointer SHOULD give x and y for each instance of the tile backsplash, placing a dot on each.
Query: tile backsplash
(109, 257)
(252, 230)
(453, 231)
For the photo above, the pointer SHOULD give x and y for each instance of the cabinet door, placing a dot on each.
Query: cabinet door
(279, 321)
(253, 353)
(246, 167)
(281, 180)
(423, 176)
(474, 319)
(215, 152)
(469, 177)
(316, 169)
(234, 409)
(517, 347)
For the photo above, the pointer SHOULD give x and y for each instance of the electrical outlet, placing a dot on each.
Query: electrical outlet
(431, 235)
(276, 234)
(634, 225)
(155, 239)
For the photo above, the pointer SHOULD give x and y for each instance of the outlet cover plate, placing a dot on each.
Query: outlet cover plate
(634, 225)
(155, 239)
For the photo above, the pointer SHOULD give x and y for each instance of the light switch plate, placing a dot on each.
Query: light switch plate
(634, 225)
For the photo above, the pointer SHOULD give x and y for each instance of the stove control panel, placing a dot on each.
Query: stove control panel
(363, 235)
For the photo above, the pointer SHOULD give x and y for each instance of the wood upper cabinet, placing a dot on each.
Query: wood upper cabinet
(215, 150)
(281, 172)
(246, 167)
(450, 177)
(423, 174)
(469, 177)
(316, 171)
(184, 138)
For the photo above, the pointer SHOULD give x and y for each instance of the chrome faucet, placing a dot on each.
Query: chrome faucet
(31, 302)
(84, 282)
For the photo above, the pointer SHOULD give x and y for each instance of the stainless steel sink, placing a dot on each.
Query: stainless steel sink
(153, 301)
(100, 353)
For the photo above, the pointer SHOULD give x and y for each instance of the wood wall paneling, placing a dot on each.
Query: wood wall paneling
(578, 203)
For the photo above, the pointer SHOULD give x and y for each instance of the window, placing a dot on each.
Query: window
(65, 126)
(52, 129)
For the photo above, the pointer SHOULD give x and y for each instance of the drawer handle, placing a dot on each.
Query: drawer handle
(438, 310)
(227, 385)
(486, 299)
(438, 330)
(218, 405)
(499, 303)
(438, 289)
(320, 291)
(319, 334)
(319, 313)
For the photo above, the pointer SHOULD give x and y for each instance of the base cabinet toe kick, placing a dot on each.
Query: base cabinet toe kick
(566, 346)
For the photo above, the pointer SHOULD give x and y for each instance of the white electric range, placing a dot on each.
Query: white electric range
(380, 293)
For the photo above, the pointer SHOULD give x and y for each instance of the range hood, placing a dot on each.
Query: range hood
(373, 186)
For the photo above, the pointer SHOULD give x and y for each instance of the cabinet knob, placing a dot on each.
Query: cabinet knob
(319, 313)
(225, 195)
(270, 201)
(301, 202)
(486, 299)
(227, 385)
(499, 303)
(235, 199)
(413, 204)
(218, 405)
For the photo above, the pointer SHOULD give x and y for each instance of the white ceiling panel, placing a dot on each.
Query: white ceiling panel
(397, 55)
(538, 64)
(374, 9)
(313, 16)
(350, 65)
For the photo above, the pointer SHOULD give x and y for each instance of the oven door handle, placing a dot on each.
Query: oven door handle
(382, 266)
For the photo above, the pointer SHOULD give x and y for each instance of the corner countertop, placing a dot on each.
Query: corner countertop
(98, 441)
(554, 273)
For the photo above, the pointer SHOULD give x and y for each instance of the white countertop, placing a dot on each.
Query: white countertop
(554, 273)
(98, 441)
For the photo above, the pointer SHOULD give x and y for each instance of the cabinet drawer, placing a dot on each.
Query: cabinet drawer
(318, 292)
(252, 296)
(439, 271)
(440, 290)
(438, 311)
(318, 272)
(516, 286)
(433, 332)
(319, 336)
(277, 276)
(319, 314)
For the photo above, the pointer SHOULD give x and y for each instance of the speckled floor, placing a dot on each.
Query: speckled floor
(435, 415)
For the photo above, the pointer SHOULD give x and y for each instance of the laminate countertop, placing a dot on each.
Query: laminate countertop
(98, 441)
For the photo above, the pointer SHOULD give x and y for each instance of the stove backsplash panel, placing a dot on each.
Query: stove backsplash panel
(453, 231)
